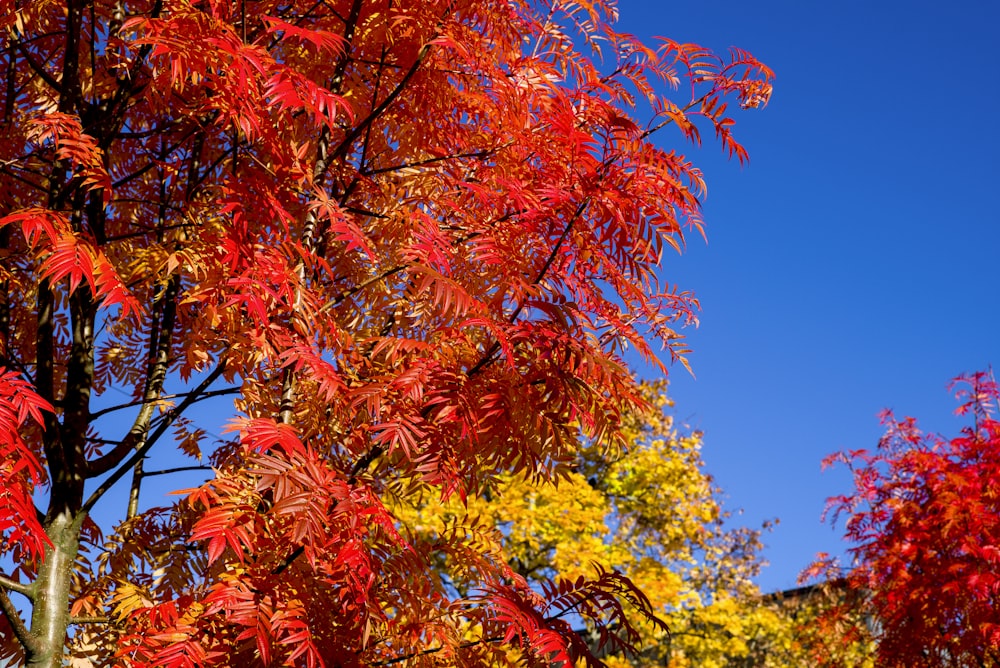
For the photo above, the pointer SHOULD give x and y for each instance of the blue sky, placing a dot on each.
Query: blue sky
(852, 265)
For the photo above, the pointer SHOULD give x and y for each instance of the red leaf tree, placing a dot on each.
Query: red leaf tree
(925, 518)
(410, 237)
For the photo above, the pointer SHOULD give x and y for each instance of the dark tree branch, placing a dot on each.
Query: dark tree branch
(376, 90)
(298, 21)
(287, 561)
(179, 469)
(38, 69)
(110, 112)
(659, 126)
(141, 450)
(339, 299)
(44, 373)
(173, 147)
(161, 332)
(11, 92)
(365, 212)
(28, 182)
(70, 97)
(361, 127)
(488, 357)
(5, 339)
(27, 639)
(132, 404)
(20, 42)
(80, 364)
(363, 463)
(323, 159)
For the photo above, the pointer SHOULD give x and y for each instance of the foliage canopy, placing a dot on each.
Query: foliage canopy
(410, 237)
(924, 519)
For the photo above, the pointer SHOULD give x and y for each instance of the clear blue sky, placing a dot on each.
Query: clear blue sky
(852, 265)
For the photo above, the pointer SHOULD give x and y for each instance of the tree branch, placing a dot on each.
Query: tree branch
(345, 145)
(659, 126)
(5, 347)
(141, 451)
(45, 374)
(339, 299)
(295, 554)
(203, 121)
(89, 620)
(132, 404)
(487, 357)
(481, 154)
(161, 331)
(26, 590)
(363, 463)
(434, 650)
(17, 177)
(38, 69)
(286, 404)
(27, 639)
(179, 469)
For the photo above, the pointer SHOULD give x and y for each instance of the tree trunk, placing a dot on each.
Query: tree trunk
(50, 615)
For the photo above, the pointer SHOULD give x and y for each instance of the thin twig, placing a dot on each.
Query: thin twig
(179, 469)
(89, 620)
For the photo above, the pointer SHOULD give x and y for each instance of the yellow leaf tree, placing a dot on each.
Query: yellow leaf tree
(649, 510)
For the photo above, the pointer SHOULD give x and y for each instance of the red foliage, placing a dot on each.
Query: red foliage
(925, 519)
(411, 237)
(20, 469)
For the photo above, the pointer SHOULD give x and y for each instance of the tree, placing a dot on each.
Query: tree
(925, 521)
(410, 238)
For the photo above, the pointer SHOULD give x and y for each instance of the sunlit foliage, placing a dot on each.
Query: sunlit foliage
(409, 238)
(924, 520)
